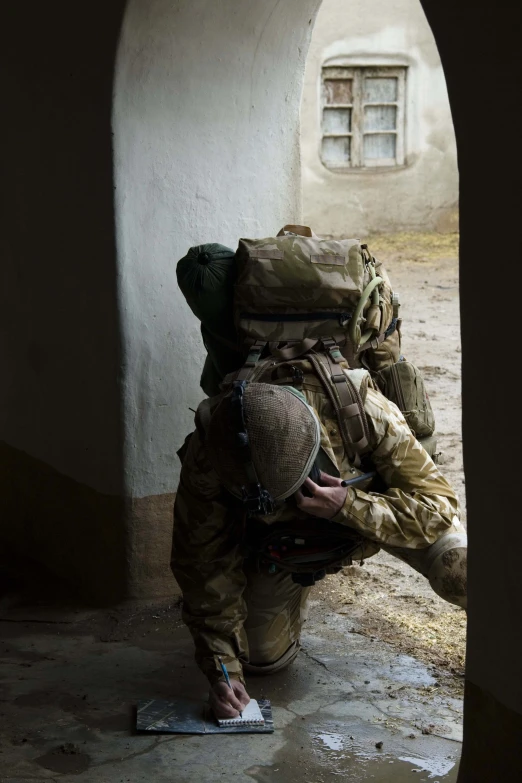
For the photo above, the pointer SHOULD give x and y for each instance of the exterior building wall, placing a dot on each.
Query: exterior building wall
(422, 194)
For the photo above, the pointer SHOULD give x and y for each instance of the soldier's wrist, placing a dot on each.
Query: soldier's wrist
(234, 670)
(232, 676)
(341, 516)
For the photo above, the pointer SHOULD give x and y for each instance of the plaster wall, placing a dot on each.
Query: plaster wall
(206, 124)
(422, 194)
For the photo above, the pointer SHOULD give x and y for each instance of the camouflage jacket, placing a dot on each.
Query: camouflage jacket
(208, 559)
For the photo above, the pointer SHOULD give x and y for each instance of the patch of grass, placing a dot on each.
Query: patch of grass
(413, 246)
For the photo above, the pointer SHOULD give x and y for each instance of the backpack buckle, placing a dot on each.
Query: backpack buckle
(333, 350)
(297, 375)
(257, 500)
(254, 354)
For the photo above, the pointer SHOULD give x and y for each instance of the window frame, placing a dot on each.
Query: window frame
(356, 134)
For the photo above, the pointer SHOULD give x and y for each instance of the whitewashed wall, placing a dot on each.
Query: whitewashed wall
(206, 124)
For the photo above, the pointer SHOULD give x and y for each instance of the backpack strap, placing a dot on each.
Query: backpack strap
(347, 403)
(302, 231)
(292, 351)
(247, 373)
(395, 324)
(250, 367)
(254, 355)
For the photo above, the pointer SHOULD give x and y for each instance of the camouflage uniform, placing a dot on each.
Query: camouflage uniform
(235, 608)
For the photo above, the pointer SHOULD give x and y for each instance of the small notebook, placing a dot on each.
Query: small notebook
(190, 716)
(251, 717)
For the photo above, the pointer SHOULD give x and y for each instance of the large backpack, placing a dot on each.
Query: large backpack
(296, 295)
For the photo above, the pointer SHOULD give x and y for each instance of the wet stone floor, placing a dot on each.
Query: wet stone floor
(350, 708)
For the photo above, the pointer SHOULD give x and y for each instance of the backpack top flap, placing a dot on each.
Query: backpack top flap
(294, 287)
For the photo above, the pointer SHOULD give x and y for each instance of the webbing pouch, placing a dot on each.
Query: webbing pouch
(307, 547)
(403, 384)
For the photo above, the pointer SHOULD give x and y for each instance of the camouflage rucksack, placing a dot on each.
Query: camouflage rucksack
(297, 295)
(298, 290)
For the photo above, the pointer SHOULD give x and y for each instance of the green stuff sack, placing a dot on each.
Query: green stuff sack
(206, 277)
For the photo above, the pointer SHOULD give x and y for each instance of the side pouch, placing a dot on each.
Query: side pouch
(403, 384)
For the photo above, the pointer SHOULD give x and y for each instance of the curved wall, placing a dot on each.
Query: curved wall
(206, 123)
(206, 137)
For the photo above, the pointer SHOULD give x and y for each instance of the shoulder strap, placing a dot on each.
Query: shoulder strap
(292, 351)
(329, 366)
(347, 403)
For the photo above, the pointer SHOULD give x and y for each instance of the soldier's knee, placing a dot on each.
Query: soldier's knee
(264, 664)
(444, 564)
(447, 568)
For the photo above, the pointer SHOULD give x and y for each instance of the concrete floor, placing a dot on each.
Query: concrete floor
(69, 680)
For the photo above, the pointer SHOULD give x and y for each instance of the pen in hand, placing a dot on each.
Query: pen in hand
(358, 479)
(227, 678)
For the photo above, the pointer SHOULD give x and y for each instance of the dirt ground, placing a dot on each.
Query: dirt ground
(386, 599)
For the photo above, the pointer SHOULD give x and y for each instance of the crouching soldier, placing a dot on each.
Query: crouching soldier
(262, 512)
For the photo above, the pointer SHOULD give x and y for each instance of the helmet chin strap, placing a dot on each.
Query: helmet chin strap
(315, 473)
(256, 499)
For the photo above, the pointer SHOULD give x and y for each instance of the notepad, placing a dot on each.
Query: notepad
(192, 716)
(251, 717)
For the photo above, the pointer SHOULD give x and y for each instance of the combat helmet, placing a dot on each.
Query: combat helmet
(262, 441)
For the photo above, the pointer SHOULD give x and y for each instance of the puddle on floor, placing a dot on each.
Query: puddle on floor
(361, 752)
(332, 741)
(350, 758)
(355, 751)
(354, 768)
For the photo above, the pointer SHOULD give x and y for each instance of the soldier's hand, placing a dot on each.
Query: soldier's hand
(228, 702)
(326, 501)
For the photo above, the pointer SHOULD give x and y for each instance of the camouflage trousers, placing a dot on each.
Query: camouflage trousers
(278, 607)
(277, 610)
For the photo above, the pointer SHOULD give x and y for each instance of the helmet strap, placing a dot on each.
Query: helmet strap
(256, 499)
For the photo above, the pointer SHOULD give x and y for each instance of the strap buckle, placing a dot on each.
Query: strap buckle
(297, 375)
(257, 500)
(333, 350)
(254, 354)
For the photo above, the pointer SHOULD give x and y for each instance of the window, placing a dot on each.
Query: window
(362, 115)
